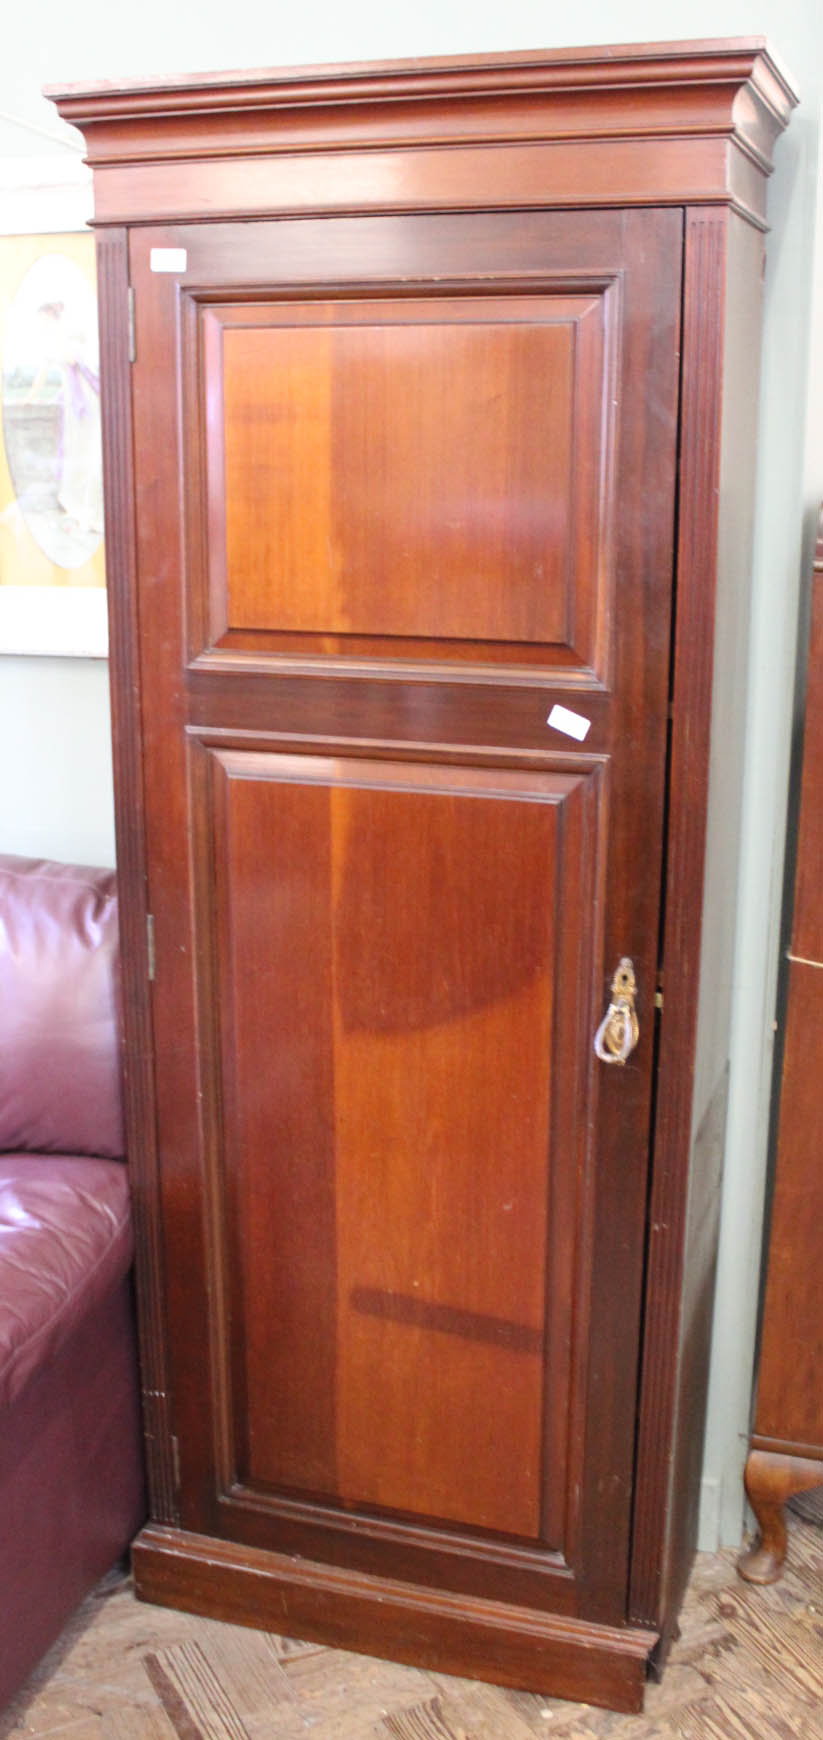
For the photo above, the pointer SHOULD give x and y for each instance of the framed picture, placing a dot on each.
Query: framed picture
(52, 567)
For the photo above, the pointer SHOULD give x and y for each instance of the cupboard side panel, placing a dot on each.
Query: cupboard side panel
(138, 1072)
(183, 1260)
(723, 286)
(645, 560)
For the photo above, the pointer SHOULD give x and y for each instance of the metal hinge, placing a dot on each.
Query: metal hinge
(132, 339)
(150, 943)
(658, 999)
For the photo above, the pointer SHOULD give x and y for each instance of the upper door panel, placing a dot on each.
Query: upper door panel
(395, 456)
(407, 474)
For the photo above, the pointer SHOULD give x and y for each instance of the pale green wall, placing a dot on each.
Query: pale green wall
(54, 779)
(55, 762)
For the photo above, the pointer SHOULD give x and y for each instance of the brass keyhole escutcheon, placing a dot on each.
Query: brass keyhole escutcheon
(619, 1031)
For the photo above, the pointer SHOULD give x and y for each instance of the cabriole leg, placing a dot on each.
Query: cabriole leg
(771, 1479)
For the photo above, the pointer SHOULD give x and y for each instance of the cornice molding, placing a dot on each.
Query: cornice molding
(730, 94)
(736, 59)
(593, 73)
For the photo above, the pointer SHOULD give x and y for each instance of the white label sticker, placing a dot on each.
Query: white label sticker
(572, 724)
(167, 259)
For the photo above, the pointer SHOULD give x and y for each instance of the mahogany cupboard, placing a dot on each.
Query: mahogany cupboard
(430, 397)
(786, 1454)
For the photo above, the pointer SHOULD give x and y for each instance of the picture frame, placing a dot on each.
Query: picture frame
(52, 559)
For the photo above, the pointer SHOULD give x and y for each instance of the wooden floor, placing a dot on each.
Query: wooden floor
(749, 1666)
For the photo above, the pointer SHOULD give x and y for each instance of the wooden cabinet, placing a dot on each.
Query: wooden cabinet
(786, 1454)
(429, 478)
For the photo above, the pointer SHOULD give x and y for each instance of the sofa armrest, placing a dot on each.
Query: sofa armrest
(60, 1086)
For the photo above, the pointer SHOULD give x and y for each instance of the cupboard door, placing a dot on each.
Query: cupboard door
(405, 505)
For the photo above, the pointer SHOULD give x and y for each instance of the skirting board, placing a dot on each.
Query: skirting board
(510, 1646)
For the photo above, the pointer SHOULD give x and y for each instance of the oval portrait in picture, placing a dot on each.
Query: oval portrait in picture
(51, 409)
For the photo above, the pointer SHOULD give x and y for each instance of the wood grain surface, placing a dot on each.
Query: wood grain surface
(789, 1390)
(358, 441)
(786, 1454)
(391, 1218)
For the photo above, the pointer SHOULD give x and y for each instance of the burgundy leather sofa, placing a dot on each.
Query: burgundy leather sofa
(71, 1483)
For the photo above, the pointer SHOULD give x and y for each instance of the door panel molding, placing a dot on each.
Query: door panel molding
(219, 777)
(350, 496)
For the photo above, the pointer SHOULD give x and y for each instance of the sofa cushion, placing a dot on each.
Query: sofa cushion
(65, 1243)
(59, 1044)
